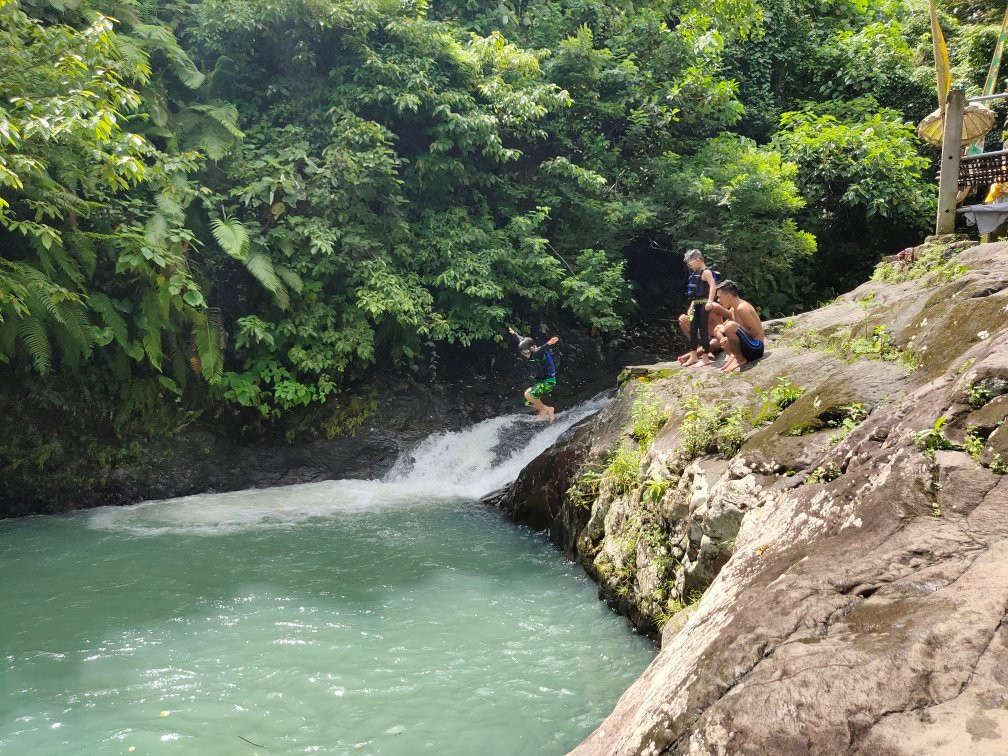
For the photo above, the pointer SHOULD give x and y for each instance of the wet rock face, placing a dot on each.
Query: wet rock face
(538, 498)
(865, 614)
(854, 566)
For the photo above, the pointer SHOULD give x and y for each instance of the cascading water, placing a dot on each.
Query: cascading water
(454, 465)
(391, 616)
(490, 454)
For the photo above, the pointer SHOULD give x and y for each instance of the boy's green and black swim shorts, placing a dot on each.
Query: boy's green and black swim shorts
(542, 388)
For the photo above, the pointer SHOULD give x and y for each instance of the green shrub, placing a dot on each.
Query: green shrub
(823, 474)
(623, 470)
(655, 488)
(648, 416)
(781, 395)
(933, 262)
(932, 439)
(853, 415)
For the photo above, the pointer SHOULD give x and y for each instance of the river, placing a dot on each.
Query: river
(361, 617)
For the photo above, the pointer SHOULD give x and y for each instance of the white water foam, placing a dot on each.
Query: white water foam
(463, 465)
(486, 456)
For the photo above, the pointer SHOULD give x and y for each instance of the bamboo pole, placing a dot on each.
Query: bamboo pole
(948, 182)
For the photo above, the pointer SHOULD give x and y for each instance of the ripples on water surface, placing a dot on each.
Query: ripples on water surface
(348, 617)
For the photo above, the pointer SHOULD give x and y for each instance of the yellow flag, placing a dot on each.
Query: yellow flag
(941, 58)
(995, 63)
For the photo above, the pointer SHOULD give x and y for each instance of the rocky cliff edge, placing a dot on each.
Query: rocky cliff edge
(821, 542)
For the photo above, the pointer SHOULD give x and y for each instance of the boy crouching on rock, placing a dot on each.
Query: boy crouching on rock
(741, 334)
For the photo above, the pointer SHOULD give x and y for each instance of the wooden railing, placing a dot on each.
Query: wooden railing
(985, 168)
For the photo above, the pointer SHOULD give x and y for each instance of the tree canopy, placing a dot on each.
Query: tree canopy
(258, 204)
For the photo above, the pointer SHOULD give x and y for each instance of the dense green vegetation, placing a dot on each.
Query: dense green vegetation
(260, 204)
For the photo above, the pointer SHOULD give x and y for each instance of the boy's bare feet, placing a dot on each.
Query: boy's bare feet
(691, 359)
(683, 357)
(551, 414)
(737, 367)
(730, 364)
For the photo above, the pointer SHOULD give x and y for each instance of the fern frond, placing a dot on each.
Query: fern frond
(87, 255)
(260, 266)
(223, 113)
(156, 229)
(215, 144)
(152, 346)
(160, 37)
(33, 336)
(292, 279)
(43, 292)
(77, 327)
(129, 15)
(65, 262)
(105, 307)
(207, 338)
(169, 208)
(231, 236)
(40, 304)
(152, 321)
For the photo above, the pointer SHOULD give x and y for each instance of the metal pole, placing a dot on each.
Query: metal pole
(987, 98)
(948, 183)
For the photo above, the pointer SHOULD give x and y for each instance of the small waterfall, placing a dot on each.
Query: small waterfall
(482, 458)
(455, 465)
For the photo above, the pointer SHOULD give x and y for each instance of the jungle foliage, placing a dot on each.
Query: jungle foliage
(259, 203)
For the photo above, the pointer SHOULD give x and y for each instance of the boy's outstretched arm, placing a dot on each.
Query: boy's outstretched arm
(554, 340)
(514, 333)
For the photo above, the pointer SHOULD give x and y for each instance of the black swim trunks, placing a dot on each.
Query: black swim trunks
(752, 349)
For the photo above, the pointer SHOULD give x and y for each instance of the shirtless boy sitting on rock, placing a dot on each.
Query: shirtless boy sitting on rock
(741, 334)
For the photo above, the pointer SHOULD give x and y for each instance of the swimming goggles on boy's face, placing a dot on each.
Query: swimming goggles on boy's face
(526, 352)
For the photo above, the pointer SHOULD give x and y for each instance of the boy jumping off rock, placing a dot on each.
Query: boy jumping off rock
(700, 293)
(540, 361)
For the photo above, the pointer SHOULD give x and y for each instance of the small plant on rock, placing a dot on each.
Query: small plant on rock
(979, 394)
(655, 488)
(733, 431)
(623, 470)
(781, 395)
(585, 488)
(853, 415)
(699, 428)
(937, 263)
(974, 443)
(823, 474)
(649, 417)
(932, 439)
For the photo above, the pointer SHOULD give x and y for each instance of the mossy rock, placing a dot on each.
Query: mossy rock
(948, 327)
(647, 373)
(996, 446)
(990, 416)
(791, 440)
